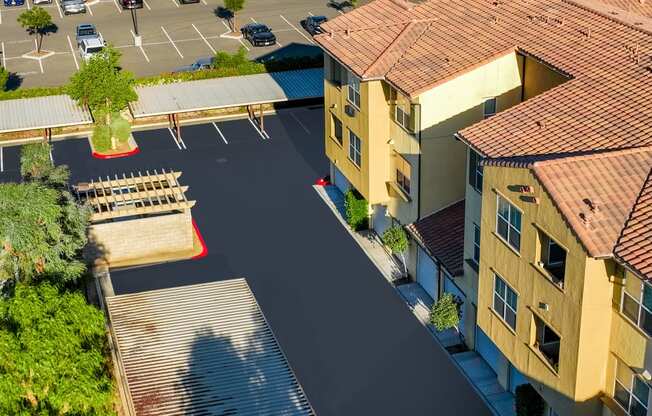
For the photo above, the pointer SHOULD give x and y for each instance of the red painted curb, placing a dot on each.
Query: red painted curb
(116, 155)
(322, 182)
(204, 249)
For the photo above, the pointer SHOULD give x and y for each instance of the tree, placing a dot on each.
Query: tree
(234, 6)
(36, 21)
(394, 238)
(4, 78)
(528, 402)
(36, 165)
(42, 232)
(101, 85)
(52, 354)
(356, 210)
(445, 312)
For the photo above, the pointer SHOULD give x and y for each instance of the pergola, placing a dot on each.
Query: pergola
(134, 194)
(239, 91)
(42, 113)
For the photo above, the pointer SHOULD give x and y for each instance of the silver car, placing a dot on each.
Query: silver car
(35, 2)
(73, 6)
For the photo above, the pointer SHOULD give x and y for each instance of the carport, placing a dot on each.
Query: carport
(250, 91)
(203, 349)
(42, 113)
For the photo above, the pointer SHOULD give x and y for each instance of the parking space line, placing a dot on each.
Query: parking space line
(204, 39)
(2, 159)
(303, 126)
(40, 61)
(59, 8)
(4, 57)
(147, 5)
(72, 52)
(220, 133)
(256, 128)
(0, 17)
(204, 1)
(310, 13)
(90, 9)
(295, 28)
(141, 47)
(253, 20)
(171, 41)
(51, 157)
(174, 138)
(28, 6)
(175, 3)
(117, 6)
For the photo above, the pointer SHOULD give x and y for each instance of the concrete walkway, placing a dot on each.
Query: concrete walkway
(369, 241)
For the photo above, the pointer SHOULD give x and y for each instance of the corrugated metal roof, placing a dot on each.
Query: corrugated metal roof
(41, 112)
(204, 350)
(228, 92)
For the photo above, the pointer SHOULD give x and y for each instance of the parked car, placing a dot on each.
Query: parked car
(340, 5)
(35, 2)
(73, 6)
(258, 34)
(90, 47)
(188, 1)
(312, 24)
(198, 65)
(9, 3)
(132, 4)
(86, 31)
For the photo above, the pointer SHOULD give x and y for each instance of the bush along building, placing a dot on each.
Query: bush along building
(514, 141)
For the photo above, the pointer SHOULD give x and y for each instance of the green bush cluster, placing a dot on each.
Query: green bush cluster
(101, 138)
(528, 402)
(445, 312)
(120, 128)
(356, 208)
(4, 78)
(32, 92)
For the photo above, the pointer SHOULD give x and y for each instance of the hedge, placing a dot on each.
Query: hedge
(356, 210)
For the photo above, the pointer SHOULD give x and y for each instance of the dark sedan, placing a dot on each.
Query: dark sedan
(312, 24)
(14, 2)
(132, 4)
(258, 34)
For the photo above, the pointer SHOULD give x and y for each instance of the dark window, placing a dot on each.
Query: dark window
(475, 171)
(547, 342)
(552, 259)
(489, 108)
(337, 129)
(505, 301)
(630, 391)
(508, 223)
(637, 304)
(355, 149)
(476, 243)
(336, 71)
(403, 173)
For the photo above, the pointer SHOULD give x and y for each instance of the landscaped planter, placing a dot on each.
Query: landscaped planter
(125, 149)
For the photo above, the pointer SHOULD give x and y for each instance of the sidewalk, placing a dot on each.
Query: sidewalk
(472, 365)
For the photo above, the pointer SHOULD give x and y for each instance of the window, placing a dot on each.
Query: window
(505, 300)
(552, 259)
(630, 391)
(336, 72)
(355, 149)
(403, 172)
(489, 108)
(336, 129)
(508, 223)
(354, 90)
(475, 171)
(476, 243)
(547, 342)
(636, 303)
(403, 116)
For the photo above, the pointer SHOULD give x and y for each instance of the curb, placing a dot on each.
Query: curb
(115, 155)
(204, 249)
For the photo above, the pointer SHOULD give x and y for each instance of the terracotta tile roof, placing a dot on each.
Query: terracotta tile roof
(635, 7)
(606, 104)
(595, 193)
(634, 245)
(442, 234)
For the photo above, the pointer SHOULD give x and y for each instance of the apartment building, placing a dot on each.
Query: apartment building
(534, 120)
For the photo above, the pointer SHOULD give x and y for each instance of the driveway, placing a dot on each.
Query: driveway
(354, 345)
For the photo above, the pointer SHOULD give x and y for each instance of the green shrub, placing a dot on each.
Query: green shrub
(4, 77)
(356, 210)
(35, 160)
(528, 401)
(394, 238)
(445, 312)
(53, 354)
(120, 128)
(32, 92)
(101, 138)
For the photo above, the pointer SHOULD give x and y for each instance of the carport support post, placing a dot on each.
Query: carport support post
(176, 124)
(262, 120)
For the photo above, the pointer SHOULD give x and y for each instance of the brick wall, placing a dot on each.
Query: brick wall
(141, 237)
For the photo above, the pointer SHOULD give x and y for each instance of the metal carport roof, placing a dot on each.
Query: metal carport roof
(226, 92)
(41, 113)
(202, 349)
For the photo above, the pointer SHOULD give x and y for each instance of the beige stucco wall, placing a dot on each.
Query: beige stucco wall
(580, 313)
(141, 238)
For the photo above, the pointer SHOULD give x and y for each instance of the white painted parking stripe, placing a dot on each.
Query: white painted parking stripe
(4, 57)
(204, 1)
(141, 47)
(117, 6)
(175, 2)
(253, 20)
(303, 126)
(310, 13)
(2, 159)
(72, 51)
(40, 61)
(220, 133)
(171, 41)
(0, 17)
(28, 6)
(174, 138)
(51, 157)
(295, 28)
(90, 10)
(256, 128)
(59, 8)
(204, 39)
(147, 5)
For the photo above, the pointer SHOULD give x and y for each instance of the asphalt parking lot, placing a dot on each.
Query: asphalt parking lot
(173, 35)
(354, 345)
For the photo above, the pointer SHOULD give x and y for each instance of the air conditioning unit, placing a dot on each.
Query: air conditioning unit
(349, 110)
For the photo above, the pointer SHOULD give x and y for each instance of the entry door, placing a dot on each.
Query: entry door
(427, 273)
(340, 180)
(381, 221)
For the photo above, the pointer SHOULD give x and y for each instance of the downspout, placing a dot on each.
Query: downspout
(419, 162)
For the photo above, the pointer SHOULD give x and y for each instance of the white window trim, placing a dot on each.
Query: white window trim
(509, 224)
(356, 151)
(350, 82)
(628, 389)
(504, 299)
(639, 302)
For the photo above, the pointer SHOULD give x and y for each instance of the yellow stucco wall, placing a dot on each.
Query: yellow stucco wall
(580, 313)
(539, 78)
